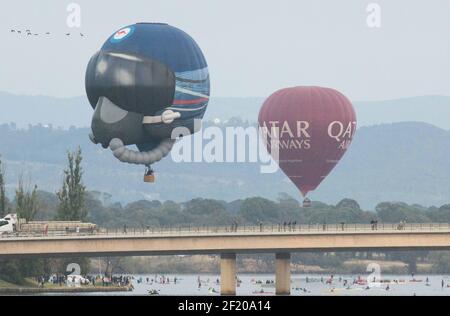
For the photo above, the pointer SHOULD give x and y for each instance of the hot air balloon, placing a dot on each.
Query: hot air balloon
(310, 129)
(145, 81)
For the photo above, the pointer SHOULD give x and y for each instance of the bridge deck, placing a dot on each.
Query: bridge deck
(186, 231)
(219, 240)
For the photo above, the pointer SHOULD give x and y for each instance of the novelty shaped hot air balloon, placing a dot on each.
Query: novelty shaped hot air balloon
(310, 129)
(146, 80)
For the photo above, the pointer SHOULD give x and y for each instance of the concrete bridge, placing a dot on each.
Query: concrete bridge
(281, 240)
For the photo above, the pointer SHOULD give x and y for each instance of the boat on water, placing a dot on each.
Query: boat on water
(153, 292)
(415, 280)
(212, 290)
(263, 292)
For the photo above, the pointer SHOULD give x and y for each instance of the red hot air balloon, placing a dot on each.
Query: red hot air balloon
(311, 127)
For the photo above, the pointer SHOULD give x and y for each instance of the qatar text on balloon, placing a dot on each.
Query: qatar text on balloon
(341, 133)
(299, 137)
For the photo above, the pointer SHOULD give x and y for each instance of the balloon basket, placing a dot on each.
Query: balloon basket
(149, 178)
(306, 202)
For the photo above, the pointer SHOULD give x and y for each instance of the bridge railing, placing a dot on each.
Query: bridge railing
(284, 228)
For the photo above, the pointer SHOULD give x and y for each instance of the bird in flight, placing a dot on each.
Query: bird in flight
(13, 31)
(67, 34)
(81, 34)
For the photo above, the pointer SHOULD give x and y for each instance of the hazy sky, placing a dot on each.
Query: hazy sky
(253, 47)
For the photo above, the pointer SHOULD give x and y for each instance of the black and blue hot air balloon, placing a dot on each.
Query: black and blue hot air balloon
(147, 82)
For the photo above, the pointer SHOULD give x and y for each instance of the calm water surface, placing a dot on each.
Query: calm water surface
(316, 285)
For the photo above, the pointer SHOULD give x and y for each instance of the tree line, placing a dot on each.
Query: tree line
(26, 204)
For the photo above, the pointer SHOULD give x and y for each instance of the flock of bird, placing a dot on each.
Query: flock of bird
(29, 33)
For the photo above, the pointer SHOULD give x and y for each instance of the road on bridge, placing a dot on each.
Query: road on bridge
(225, 239)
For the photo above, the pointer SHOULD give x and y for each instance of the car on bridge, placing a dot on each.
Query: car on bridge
(8, 224)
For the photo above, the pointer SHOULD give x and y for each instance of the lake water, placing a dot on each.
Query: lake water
(317, 285)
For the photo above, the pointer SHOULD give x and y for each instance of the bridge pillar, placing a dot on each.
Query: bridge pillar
(228, 274)
(283, 273)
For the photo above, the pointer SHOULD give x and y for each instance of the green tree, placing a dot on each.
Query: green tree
(348, 204)
(26, 201)
(71, 196)
(10, 271)
(72, 201)
(205, 212)
(3, 199)
(257, 209)
(441, 214)
(394, 212)
(440, 261)
(26, 206)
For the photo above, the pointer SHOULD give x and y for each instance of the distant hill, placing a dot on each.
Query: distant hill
(406, 161)
(429, 109)
(24, 110)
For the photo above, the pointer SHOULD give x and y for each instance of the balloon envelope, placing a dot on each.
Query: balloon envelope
(149, 67)
(310, 128)
(147, 80)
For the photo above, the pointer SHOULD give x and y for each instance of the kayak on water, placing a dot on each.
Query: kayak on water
(262, 292)
(153, 292)
(212, 290)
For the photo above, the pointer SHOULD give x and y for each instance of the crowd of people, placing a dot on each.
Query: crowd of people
(94, 280)
(292, 225)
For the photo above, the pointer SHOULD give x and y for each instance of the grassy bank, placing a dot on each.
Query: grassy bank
(31, 287)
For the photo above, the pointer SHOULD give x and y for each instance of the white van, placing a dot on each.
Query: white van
(8, 224)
